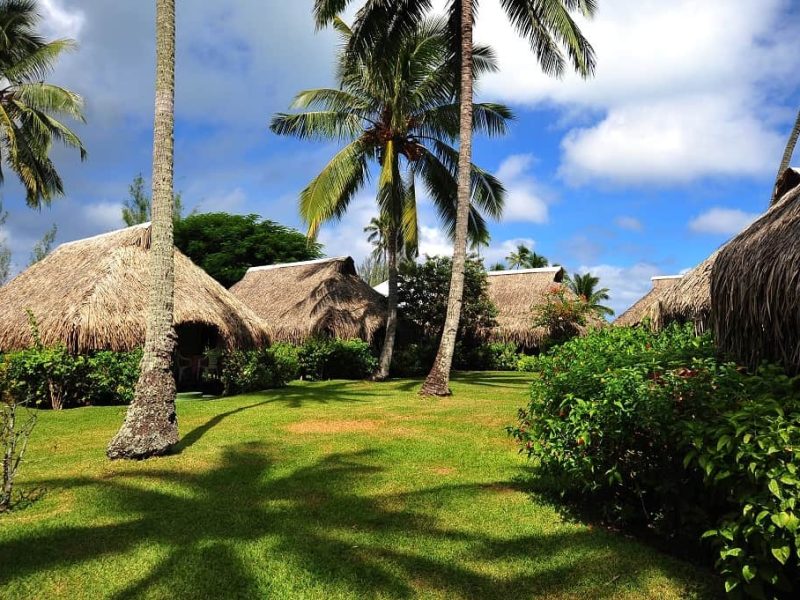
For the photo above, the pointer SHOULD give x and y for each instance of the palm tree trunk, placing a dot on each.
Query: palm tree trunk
(786, 160)
(151, 424)
(438, 381)
(391, 311)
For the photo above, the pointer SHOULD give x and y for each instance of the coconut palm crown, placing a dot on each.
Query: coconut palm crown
(30, 109)
(397, 108)
(585, 286)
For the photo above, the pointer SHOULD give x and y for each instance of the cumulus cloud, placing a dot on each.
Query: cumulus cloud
(105, 216)
(657, 110)
(626, 284)
(722, 221)
(628, 223)
(525, 200)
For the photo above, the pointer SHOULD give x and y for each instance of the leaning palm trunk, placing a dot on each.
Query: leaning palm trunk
(438, 380)
(788, 152)
(151, 425)
(391, 311)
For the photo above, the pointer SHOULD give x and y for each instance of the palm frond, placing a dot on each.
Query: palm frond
(39, 63)
(321, 125)
(327, 197)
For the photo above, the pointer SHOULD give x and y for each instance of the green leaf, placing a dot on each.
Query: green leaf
(774, 488)
(730, 584)
(749, 572)
(781, 553)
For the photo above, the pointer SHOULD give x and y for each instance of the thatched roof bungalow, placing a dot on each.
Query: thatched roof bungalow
(92, 294)
(689, 300)
(323, 298)
(755, 286)
(647, 307)
(515, 293)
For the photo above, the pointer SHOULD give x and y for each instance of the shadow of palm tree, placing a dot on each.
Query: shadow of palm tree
(313, 518)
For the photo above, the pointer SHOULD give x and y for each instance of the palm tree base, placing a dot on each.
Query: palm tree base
(151, 424)
(436, 384)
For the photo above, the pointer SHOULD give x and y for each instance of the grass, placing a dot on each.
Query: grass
(319, 490)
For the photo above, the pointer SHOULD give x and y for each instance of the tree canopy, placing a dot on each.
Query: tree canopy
(226, 245)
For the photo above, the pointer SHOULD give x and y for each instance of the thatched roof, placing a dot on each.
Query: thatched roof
(515, 293)
(688, 301)
(314, 298)
(92, 294)
(648, 305)
(755, 288)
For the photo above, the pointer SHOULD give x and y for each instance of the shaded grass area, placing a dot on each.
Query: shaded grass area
(320, 490)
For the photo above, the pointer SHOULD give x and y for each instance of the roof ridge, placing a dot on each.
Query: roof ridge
(316, 261)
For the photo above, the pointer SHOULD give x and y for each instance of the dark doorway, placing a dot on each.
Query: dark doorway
(197, 356)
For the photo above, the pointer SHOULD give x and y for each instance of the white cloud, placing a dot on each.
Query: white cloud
(722, 221)
(673, 140)
(679, 86)
(498, 252)
(105, 216)
(524, 198)
(628, 223)
(347, 237)
(626, 284)
(434, 242)
(59, 21)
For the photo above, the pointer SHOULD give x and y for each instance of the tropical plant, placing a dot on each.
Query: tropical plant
(524, 258)
(136, 209)
(547, 24)
(373, 270)
(44, 246)
(786, 159)
(585, 286)
(30, 108)
(498, 266)
(398, 108)
(226, 245)
(151, 423)
(5, 251)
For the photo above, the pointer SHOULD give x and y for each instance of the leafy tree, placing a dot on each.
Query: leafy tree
(585, 287)
(30, 108)
(44, 246)
(373, 270)
(423, 292)
(549, 27)
(398, 109)
(151, 422)
(498, 266)
(225, 245)
(524, 258)
(136, 209)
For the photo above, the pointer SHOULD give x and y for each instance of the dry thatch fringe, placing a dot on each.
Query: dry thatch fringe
(755, 289)
(92, 294)
(515, 293)
(647, 306)
(313, 298)
(688, 301)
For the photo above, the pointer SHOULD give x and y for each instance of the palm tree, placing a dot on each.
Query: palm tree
(547, 24)
(585, 286)
(518, 257)
(786, 159)
(30, 109)
(151, 424)
(400, 110)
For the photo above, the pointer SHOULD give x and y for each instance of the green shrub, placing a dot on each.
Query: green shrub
(527, 364)
(414, 358)
(286, 359)
(246, 371)
(494, 356)
(651, 431)
(54, 378)
(322, 359)
(111, 377)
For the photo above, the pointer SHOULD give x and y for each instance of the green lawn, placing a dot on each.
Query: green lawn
(321, 490)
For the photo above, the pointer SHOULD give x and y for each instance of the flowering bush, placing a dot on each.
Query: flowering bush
(561, 313)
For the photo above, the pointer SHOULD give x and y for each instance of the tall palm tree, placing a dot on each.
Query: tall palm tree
(30, 109)
(151, 423)
(585, 286)
(551, 30)
(398, 109)
(791, 143)
(524, 258)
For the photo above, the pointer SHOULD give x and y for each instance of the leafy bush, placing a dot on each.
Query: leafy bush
(111, 377)
(494, 356)
(286, 359)
(321, 359)
(246, 371)
(654, 433)
(528, 364)
(561, 313)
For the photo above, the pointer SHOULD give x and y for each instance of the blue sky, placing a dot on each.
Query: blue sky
(644, 170)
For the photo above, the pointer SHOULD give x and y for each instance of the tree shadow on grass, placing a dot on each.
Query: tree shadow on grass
(297, 395)
(312, 522)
